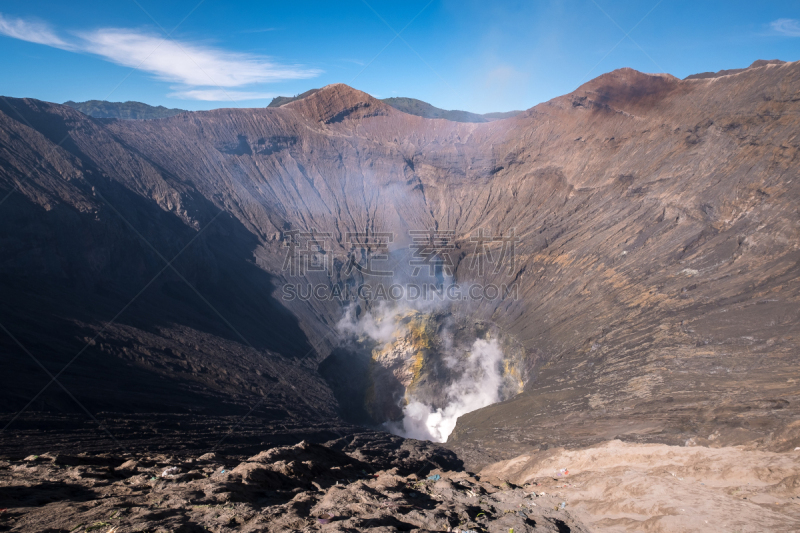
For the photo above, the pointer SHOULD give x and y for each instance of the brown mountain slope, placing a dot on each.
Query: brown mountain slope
(657, 265)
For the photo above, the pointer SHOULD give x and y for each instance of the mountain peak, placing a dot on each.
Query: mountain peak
(338, 102)
(409, 106)
(626, 87)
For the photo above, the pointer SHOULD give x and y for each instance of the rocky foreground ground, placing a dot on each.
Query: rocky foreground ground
(379, 484)
(382, 483)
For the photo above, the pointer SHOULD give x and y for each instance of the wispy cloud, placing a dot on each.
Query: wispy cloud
(219, 95)
(188, 63)
(788, 27)
(193, 65)
(31, 31)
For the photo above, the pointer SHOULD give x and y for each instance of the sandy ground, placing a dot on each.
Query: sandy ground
(618, 487)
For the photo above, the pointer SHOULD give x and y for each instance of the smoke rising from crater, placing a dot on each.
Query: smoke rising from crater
(478, 386)
(377, 325)
(475, 372)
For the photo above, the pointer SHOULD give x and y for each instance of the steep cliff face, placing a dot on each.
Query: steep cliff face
(657, 261)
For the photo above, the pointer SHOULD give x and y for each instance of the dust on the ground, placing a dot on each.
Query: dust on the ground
(619, 487)
(352, 484)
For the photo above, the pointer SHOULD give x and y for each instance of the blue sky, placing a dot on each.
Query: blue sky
(456, 54)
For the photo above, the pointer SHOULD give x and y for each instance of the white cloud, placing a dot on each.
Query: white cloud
(31, 31)
(187, 63)
(219, 95)
(789, 27)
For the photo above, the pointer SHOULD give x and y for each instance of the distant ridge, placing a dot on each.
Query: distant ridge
(500, 115)
(141, 111)
(122, 110)
(283, 100)
(412, 106)
(719, 74)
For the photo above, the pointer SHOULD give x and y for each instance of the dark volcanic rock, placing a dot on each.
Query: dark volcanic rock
(389, 451)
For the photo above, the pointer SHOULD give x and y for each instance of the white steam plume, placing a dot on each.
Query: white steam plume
(478, 386)
(381, 329)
